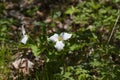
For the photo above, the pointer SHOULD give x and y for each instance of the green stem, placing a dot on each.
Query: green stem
(114, 27)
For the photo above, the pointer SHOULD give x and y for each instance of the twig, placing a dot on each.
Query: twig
(114, 27)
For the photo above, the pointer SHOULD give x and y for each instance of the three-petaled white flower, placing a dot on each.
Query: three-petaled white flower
(25, 36)
(59, 40)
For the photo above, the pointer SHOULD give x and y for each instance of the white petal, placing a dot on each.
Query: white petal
(54, 37)
(24, 39)
(59, 45)
(23, 30)
(65, 36)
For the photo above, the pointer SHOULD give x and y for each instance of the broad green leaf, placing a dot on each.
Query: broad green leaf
(35, 50)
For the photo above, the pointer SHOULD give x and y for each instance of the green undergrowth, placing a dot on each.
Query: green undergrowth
(92, 52)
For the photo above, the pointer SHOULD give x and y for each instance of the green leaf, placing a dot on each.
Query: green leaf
(35, 50)
(77, 46)
(56, 14)
(118, 35)
(95, 63)
(72, 10)
(67, 74)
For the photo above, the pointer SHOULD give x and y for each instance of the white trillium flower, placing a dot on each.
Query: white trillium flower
(59, 40)
(25, 37)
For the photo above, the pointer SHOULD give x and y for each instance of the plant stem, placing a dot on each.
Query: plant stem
(114, 27)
